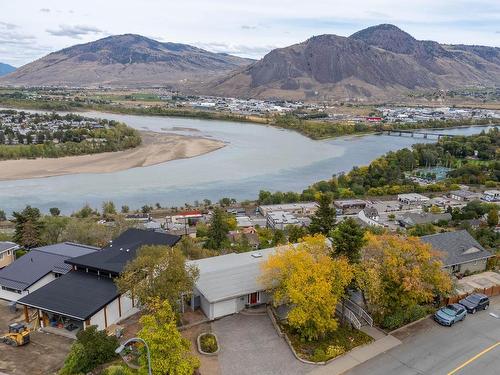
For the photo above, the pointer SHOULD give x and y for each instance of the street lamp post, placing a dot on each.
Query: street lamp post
(120, 349)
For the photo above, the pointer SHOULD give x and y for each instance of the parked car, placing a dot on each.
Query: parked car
(475, 302)
(450, 314)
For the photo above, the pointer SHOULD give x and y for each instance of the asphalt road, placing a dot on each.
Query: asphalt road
(469, 347)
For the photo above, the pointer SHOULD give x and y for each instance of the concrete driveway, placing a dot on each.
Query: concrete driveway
(251, 346)
(428, 348)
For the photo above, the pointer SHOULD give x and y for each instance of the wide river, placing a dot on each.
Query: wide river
(256, 157)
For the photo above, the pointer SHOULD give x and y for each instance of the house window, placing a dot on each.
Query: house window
(455, 268)
(11, 290)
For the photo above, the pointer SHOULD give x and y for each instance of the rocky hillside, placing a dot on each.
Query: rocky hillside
(380, 62)
(6, 69)
(125, 60)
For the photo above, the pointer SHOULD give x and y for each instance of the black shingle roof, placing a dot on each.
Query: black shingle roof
(122, 250)
(457, 247)
(77, 294)
(37, 263)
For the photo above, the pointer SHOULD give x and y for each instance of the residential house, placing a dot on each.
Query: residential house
(183, 219)
(464, 195)
(281, 219)
(460, 251)
(37, 268)
(229, 283)
(412, 199)
(88, 295)
(7, 253)
(491, 196)
(349, 206)
(237, 236)
(410, 219)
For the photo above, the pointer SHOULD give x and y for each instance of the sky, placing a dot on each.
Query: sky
(29, 29)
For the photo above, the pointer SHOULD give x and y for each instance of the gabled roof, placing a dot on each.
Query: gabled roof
(232, 275)
(122, 250)
(77, 294)
(414, 218)
(31, 267)
(6, 245)
(458, 247)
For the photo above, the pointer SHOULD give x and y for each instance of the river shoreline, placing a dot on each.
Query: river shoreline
(156, 148)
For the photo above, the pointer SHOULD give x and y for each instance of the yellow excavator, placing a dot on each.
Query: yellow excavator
(18, 335)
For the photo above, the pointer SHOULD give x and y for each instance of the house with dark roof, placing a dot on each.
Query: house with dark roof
(460, 251)
(37, 268)
(88, 295)
(7, 253)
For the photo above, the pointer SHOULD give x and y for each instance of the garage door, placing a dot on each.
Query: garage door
(223, 308)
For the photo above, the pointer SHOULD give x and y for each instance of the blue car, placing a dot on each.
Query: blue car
(449, 315)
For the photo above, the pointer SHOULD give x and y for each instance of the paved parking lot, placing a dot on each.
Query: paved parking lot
(251, 346)
(429, 348)
(43, 356)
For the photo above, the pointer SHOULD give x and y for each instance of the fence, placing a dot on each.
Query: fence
(490, 292)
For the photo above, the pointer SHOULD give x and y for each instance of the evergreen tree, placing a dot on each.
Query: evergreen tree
(217, 231)
(54, 211)
(348, 239)
(323, 220)
(493, 217)
(28, 227)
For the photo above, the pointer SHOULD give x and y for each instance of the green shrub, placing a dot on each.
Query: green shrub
(400, 318)
(319, 355)
(117, 370)
(334, 351)
(91, 349)
(208, 343)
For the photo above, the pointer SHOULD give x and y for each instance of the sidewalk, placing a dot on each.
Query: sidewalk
(357, 356)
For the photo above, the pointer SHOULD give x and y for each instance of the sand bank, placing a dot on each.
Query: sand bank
(156, 148)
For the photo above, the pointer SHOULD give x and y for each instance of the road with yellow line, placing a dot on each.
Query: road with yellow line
(471, 347)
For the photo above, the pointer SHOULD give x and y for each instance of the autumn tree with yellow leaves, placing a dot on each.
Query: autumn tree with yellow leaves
(398, 274)
(170, 352)
(309, 282)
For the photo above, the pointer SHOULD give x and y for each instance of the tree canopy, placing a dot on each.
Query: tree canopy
(323, 219)
(309, 282)
(158, 272)
(398, 273)
(170, 352)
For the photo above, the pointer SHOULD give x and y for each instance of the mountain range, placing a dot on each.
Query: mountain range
(124, 61)
(380, 62)
(6, 69)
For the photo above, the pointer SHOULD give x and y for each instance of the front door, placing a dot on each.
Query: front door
(254, 297)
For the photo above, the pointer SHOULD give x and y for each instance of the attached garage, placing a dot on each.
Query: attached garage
(229, 283)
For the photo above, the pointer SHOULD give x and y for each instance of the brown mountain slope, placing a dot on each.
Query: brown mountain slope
(124, 60)
(380, 62)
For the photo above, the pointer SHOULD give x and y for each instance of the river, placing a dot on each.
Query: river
(256, 157)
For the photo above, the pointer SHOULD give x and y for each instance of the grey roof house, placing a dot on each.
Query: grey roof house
(37, 268)
(460, 251)
(410, 219)
(229, 283)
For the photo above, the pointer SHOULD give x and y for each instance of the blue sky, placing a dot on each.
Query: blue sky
(30, 29)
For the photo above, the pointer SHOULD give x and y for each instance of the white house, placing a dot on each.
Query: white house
(281, 219)
(491, 195)
(229, 283)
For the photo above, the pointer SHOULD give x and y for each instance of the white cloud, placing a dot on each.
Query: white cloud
(75, 32)
(246, 28)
